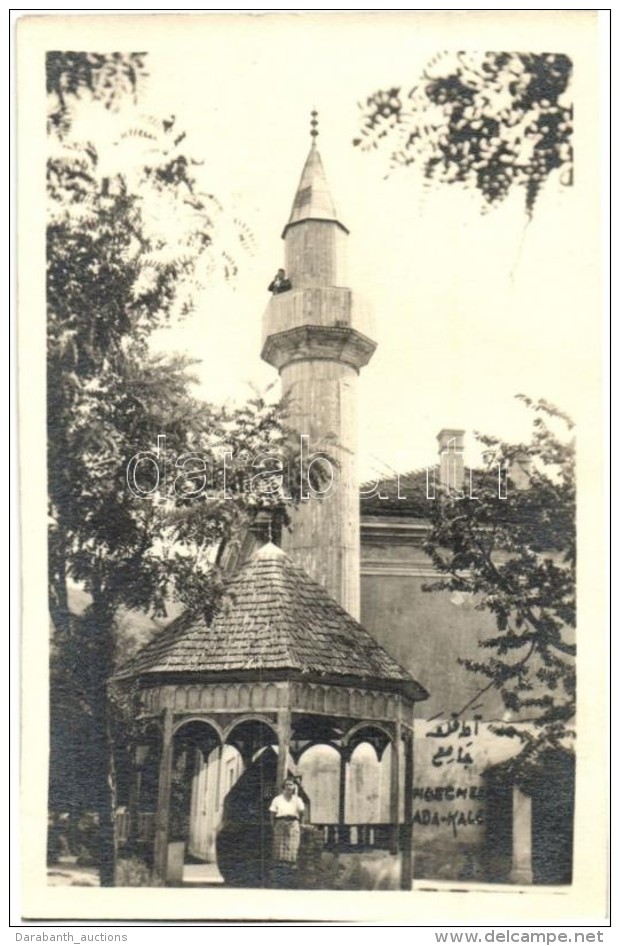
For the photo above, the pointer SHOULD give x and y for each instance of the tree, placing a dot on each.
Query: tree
(517, 557)
(495, 122)
(116, 270)
(106, 77)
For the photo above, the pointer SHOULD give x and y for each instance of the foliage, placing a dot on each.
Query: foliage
(132, 238)
(106, 77)
(117, 270)
(132, 872)
(495, 121)
(517, 557)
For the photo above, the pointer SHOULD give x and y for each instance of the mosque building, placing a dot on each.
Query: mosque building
(333, 663)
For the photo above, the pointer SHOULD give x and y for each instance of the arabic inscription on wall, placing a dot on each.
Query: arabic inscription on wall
(449, 791)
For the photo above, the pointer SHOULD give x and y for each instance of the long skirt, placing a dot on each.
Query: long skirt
(286, 837)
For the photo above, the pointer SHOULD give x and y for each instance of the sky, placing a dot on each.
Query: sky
(470, 309)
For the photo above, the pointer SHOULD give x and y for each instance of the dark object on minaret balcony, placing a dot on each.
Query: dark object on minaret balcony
(280, 283)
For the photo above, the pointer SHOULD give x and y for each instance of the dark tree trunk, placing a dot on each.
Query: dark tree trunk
(106, 791)
(88, 655)
(100, 628)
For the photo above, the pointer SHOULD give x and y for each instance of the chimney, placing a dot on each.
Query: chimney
(451, 468)
(520, 470)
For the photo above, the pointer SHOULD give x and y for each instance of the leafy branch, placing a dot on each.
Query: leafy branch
(494, 122)
(516, 557)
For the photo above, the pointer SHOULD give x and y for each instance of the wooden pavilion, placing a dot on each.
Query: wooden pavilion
(281, 665)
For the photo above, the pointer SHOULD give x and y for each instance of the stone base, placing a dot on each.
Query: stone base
(522, 876)
(176, 860)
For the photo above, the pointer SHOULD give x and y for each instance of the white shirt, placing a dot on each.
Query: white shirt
(282, 806)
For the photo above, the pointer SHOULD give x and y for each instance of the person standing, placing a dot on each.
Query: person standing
(286, 814)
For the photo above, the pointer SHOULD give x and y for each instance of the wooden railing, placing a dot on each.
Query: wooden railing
(345, 838)
(341, 838)
(146, 826)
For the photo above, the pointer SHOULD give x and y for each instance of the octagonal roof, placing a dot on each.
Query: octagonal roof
(273, 618)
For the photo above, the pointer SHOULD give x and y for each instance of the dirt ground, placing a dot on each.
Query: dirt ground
(70, 875)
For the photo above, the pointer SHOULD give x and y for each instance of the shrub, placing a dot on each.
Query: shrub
(132, 872)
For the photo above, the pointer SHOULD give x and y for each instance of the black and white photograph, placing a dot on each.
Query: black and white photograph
(312, 435)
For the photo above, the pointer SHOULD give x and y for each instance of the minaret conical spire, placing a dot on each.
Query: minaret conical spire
(313, 200)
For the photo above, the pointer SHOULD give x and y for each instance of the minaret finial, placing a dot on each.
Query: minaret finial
(314, 124)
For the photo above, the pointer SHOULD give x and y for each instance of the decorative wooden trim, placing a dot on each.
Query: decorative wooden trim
(298, 754)
(349, 701)
(180, 721)
(388, 731)
(268, 719)
(208, 698)
(263, 700)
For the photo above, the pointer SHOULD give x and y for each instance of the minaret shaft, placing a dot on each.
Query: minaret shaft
(325, 539)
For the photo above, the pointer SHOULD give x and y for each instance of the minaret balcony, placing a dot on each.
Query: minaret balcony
(328, 306)
(339, 343)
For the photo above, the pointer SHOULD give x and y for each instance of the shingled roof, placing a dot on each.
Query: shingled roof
(399, 495)
(274, 617)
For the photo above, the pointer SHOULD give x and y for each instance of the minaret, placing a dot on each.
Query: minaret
(315, 335)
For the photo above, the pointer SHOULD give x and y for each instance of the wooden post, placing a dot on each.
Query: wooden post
(521, 872)
(195, 802)
(163, 798)
(406, 876)
(134, 801)
(218, 778)
(342, 788)
(284, 740)
(395, 787)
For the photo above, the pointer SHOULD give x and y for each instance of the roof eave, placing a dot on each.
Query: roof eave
(295, 223)
(409, 687)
